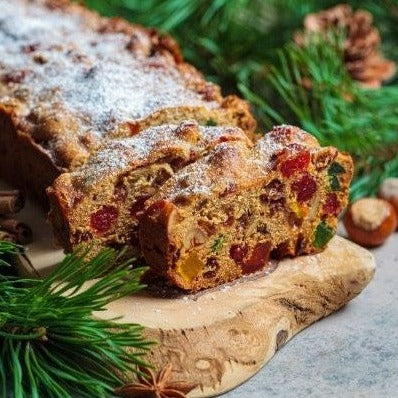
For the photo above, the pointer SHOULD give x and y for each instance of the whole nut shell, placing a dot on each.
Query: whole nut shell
(370, 221)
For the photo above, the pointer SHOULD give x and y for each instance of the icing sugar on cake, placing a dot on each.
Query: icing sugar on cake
(90, 78)
(186, 140)
(219, 169)
(60, 59)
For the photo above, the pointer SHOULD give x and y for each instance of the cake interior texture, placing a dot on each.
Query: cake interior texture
(229, 213)
(100, 203)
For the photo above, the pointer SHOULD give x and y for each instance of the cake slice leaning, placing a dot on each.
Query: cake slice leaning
(229, 213)
(101, 202)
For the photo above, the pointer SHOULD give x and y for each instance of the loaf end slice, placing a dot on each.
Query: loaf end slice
(229, 213)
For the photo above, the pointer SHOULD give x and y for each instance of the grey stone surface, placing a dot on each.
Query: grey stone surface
(351, 354)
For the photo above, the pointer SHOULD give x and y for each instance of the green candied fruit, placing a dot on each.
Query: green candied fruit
(323, 234)
(218, 244)
(334, 183)
(211, 122)
(334, 170)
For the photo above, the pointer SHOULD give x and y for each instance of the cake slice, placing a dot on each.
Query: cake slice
(230, 212)
(101, 202)
(70, 79)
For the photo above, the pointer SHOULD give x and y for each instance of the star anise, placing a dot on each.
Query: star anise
(151, 386)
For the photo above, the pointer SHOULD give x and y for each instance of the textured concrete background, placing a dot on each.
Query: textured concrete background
(351, 354)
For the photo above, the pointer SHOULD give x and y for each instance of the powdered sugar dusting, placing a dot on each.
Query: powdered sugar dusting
(53, 56)
(186, 141)
(233, 164)
(213, 172)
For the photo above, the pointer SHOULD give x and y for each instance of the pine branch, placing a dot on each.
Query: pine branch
(52, 345)
(376, 172)
(8, 248)
(225, 38)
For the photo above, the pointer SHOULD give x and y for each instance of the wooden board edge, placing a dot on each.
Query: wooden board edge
(225, 354)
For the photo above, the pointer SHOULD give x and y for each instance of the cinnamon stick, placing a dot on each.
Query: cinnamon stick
(11, 201)
(17, 228)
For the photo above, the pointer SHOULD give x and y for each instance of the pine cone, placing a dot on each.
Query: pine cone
(362, 57)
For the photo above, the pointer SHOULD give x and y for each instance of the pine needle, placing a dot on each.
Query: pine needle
(8, 248)
(52, 345)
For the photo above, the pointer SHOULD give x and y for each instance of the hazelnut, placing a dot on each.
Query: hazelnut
(195, 236)
(370, 221)
(389, 191)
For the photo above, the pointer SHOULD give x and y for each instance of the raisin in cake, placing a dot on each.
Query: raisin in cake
(100, 203)
(70, 79)
(231, 211)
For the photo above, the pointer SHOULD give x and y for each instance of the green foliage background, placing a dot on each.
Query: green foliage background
(246, 47)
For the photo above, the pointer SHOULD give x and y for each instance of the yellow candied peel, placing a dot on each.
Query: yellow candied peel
(190, 268)
(300, 211)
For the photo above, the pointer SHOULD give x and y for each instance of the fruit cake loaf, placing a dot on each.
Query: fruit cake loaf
(100, 202)
(227, 214)
(70, 79)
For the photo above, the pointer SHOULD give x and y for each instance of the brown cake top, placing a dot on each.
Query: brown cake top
(166, 143)
(231, 165)
(78, 76)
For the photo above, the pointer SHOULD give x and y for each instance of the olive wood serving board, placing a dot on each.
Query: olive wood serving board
(221, 337)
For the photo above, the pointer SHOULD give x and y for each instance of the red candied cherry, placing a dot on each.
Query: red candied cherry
(258, 258)
(238, 253)
(298, 162)
(134, 127)
(305, 187)
(332, 205)
(103, 218)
